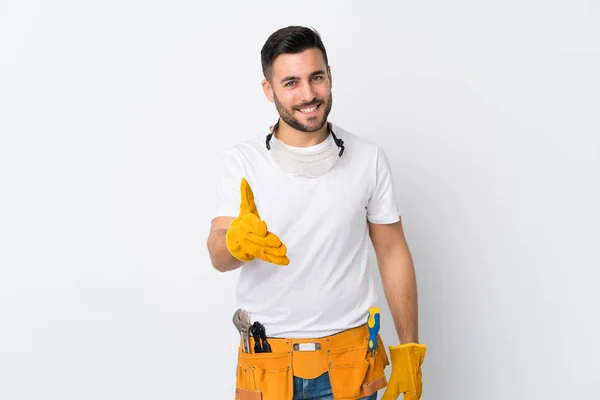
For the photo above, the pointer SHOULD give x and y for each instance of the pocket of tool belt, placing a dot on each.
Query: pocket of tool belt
(264, 376)
(355, 374)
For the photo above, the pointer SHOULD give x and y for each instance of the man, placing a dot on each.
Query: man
(296, 209)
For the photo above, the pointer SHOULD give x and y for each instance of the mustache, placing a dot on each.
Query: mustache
(309, 104)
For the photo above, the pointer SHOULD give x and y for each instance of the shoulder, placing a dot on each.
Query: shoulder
(245, 150)
(357, 145)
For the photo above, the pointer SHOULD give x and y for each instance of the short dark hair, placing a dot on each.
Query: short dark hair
(291, 39)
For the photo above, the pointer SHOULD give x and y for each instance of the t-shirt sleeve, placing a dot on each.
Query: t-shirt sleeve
(228, 179)
(383, 207)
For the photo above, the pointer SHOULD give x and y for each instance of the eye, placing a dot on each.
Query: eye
(290, 83)
(318, 77)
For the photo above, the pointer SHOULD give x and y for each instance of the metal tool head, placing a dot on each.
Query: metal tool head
(261, 345)
(243, 325)
(241, 321)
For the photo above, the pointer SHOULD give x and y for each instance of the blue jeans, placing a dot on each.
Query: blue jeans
(317, 389)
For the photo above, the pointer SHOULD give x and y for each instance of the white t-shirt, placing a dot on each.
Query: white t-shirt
(327, 286)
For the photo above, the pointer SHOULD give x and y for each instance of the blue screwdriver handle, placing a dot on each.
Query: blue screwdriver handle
(373, 323)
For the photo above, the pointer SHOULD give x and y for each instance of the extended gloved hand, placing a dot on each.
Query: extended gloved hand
(406, 372)
(248, 237)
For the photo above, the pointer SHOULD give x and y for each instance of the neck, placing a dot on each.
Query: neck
(296, 138)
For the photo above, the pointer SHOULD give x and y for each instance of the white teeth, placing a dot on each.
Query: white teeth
(308, 110)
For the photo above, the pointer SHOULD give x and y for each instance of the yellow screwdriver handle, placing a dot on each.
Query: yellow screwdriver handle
(373, 323)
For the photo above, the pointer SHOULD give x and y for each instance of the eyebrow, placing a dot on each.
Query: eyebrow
(295, 78)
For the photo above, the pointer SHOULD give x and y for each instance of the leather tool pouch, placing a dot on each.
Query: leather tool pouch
(353, 372)
(264, 376)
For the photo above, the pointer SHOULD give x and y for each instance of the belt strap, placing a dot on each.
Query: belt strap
(310, 356)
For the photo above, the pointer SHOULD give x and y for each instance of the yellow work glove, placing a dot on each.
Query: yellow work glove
(248, 237)
(406, 372)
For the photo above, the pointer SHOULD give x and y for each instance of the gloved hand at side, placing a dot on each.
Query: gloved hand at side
(248, 237)
(406, 372)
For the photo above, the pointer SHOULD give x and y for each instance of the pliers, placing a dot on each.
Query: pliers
(260, 338)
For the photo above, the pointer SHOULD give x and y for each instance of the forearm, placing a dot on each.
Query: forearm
(221, 258)
(400, 287)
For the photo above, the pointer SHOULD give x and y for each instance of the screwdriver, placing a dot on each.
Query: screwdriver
(373, 323)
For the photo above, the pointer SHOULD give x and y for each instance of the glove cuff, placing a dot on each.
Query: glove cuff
(407, 345)
(234, 247)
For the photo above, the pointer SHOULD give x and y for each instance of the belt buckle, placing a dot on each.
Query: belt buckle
(307, 346)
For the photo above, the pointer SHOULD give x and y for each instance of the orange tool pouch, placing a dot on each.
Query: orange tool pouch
(353, 372)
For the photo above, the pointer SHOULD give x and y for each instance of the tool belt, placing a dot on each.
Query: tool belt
(353, 371)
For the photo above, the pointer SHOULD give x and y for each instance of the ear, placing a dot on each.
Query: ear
(329, 76)
(268, 90)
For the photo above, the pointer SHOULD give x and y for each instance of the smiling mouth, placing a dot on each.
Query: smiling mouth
(308, 110)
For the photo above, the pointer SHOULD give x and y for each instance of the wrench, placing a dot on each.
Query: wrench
(242, 323)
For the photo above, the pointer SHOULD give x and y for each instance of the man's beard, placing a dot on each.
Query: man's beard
(314, 123)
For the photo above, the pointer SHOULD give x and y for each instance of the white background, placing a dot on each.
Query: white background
(113, 113)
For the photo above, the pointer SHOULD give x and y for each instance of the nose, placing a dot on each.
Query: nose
(307, 93)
